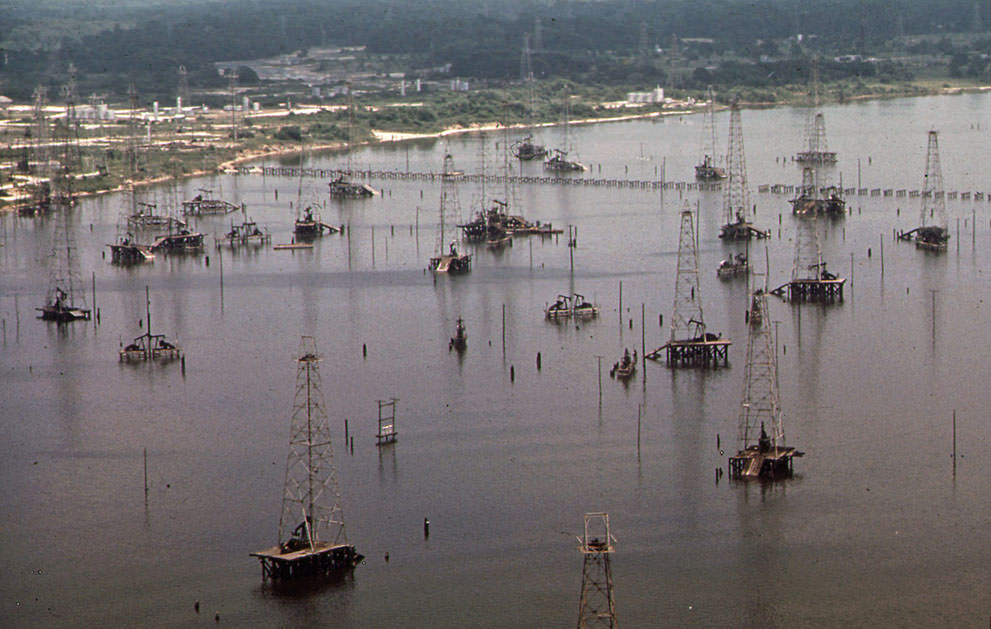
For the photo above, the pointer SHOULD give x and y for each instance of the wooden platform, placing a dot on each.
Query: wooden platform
(756, 463)
(707, 353)
(812, 290)
(324, 559)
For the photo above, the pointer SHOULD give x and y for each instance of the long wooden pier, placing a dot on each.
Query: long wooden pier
(578, 181)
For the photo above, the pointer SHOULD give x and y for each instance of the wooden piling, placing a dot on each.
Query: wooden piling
(954, 443)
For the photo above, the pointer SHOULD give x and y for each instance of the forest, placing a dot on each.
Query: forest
(607, 42)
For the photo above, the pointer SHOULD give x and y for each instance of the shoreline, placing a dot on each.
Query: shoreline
(382, 136)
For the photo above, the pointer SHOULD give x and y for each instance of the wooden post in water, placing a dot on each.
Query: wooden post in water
(373, 245)
(954, 443)
(146, 475)
(94, 298)
(598, 359)
(881, 236)
(620, 304)
(643, 347)
(638, 430)
(504, 330)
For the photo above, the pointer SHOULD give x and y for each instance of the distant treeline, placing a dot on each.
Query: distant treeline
(606, 41)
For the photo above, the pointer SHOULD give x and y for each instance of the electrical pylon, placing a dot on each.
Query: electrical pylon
(736, 192)
(687, 321)
(933, 195)
(597, 607)
(311, 500)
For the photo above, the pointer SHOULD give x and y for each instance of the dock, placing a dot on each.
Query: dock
(755, 462)
(828, 290)
(705, 352)
(126, 253)
(281, 562)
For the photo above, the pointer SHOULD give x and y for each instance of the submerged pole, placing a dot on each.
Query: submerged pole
(954, 443)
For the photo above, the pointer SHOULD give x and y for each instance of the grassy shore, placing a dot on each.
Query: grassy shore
(206, 147)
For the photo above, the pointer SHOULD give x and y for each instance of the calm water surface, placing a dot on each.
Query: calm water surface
(873, 529)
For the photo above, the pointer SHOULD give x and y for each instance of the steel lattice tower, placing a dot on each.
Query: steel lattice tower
(597, 608)
(709, 146)
(687, 321)
(41, 156)
(450, 206)
(760, 408)
(736, 193)
(808, 255)
(232, 85)
(183, 88)
(131, 149)
(63, 276)
(311, 496)
(933, 195)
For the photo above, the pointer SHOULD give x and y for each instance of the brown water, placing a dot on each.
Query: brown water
(874, 529)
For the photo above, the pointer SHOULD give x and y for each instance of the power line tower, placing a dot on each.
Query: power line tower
(760, 454)
(690, 345)
(597, 608)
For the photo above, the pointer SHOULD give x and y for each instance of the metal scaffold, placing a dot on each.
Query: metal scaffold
(932, 233)
(597, 607)
(312, 538)
(690, 345)
(736, 191)
(760, 433)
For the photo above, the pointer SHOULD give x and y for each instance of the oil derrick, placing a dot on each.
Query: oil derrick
(817, 150)
(642, 43)
(810, 281)
(131, 149)
(312, 539)
(687, 321)
(446, 258)
(932, 232)
(597, 608)
(232, 86)
(65, 297)
(736, 192)
(690, 345)
(538, 34)
(707, 170)
(183, 90)
(41, 158)
(70, 159)
(311, 497)
(763, 452)
(526, 63)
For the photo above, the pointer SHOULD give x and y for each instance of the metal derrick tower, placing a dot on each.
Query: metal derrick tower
(686, 321)
(760, 409)
(41, 145)
(736, 195)
(183, 91)
(311, 510)
(808, 254)
(817, 150)
(709, 147)
(933, 195)
(597, 607)
(450, 205)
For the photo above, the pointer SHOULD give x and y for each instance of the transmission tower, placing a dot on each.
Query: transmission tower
(183, 91)
(933, 196)
(597, 608)
(311, 498)
(687, 322)
(736, 192)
